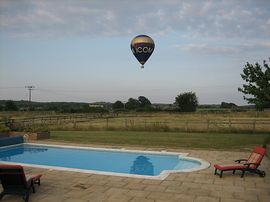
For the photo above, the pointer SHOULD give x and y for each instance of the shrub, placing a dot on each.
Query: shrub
(4, 129)
(118, 105)
(187, 102)
(266, 141)
(10, 106)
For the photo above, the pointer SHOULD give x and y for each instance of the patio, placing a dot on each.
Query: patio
(197, 186)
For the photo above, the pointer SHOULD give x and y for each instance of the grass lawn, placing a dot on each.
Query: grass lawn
(220, 141)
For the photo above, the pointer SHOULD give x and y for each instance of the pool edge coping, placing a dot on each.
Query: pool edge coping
(164, 174)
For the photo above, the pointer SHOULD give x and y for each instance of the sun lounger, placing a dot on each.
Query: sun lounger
(14, 181)
(245, 165)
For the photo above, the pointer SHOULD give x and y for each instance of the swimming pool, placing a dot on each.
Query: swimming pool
(121, 162)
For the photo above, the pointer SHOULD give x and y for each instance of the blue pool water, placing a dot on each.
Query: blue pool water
(86, 159)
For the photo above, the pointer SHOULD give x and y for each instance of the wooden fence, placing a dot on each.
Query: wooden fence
(230, 125)
(142, 123)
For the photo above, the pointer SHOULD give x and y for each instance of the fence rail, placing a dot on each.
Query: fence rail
(135, 122)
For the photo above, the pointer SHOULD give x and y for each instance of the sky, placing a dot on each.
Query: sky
(79, 50)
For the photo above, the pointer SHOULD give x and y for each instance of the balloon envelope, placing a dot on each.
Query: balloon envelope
(142, 47)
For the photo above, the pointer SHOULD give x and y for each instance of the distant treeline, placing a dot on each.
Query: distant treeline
(140, 105)
(62, 107)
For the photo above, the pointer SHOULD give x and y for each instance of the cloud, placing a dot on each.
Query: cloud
(206, 49)
(230, 49)
(218, 19)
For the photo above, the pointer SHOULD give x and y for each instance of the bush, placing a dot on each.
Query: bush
(37, 128)
(266, 141)
(10, 106)
(227, 105)
(97, 110)
(147, 109)
(31, 129)
(187, 102)
(120, 110)
(132, 104)
(118, 105)
(4, 129)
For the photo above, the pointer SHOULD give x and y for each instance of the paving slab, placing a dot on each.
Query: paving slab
(195, 186)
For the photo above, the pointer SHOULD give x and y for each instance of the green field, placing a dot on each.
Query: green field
(222, 130)
(218, 122)
(219, 141)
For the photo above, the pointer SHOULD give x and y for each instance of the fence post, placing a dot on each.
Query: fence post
(230, 125)
(254, 126)
(208, 125)
(186, 126)
(74, 123)
(131, 122)
(107, 122)
(90, 125)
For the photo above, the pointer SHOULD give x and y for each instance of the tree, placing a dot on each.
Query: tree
(132, 103)
(144, 102)
(10, 106)
(257, 78)
(118, 105)
(187, 102)
(227, 105)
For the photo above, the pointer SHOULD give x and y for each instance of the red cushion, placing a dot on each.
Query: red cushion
(256, 156)
(19, 167)
(7, 166)
(230, 167)
(34, 177)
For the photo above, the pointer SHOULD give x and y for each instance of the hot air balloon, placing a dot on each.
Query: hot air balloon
(142, 47)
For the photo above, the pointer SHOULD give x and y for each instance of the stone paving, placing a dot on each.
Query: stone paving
(198, 186)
